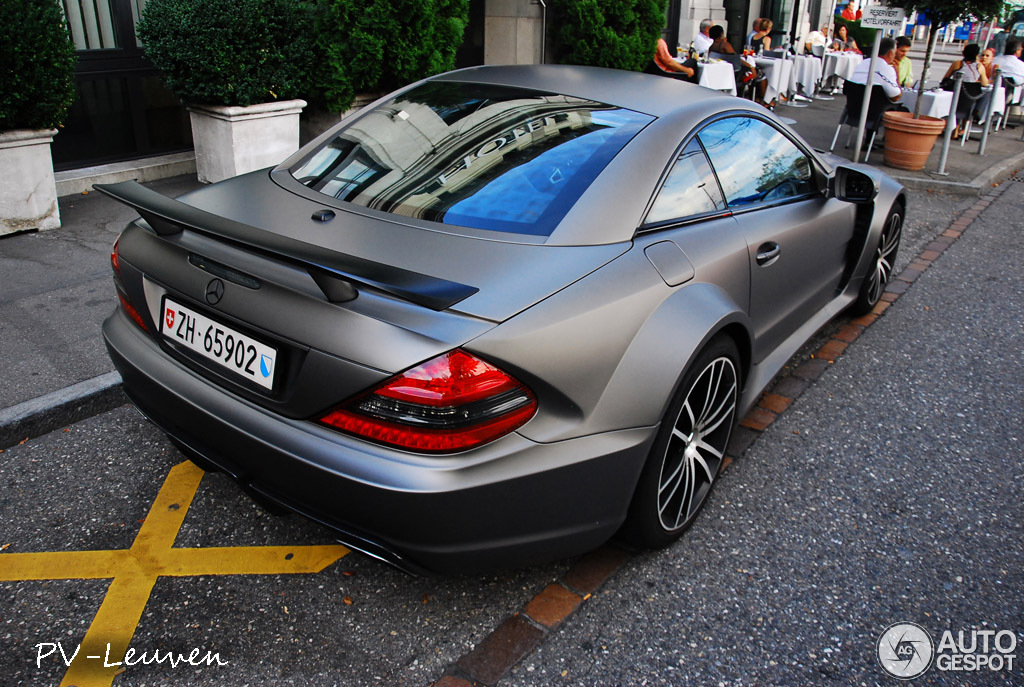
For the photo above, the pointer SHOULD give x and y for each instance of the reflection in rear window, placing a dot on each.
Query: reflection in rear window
(474, 155)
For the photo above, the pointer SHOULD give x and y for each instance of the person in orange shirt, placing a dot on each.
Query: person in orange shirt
(663, 58)
(852, 12)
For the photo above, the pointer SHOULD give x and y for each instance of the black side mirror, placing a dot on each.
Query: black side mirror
(852, 186)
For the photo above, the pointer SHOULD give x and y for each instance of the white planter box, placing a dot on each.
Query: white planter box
(28, 193)
(234, 140)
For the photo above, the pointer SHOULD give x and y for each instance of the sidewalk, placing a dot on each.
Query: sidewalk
(967, 172)
(57, 285)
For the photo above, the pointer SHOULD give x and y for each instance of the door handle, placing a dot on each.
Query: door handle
(768, 253)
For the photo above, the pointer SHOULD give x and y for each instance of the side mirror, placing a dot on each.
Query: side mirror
(852, 186)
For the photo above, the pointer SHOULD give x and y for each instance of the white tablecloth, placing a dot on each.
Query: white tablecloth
(937, 103)
(777, 72)
(933, 103)
(840, 64)
(717, 76)
(806, 73)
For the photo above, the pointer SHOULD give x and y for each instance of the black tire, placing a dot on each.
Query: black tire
(688, 452)
(881, 266)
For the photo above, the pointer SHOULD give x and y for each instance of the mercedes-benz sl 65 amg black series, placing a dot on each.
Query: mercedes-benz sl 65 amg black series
(497, 316)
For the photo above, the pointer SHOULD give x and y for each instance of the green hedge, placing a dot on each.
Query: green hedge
(231, 52)
(621, 34)
(383, 44)
(37, 59)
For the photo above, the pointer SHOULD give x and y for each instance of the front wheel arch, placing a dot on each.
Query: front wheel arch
(883, 261)
(689, 448)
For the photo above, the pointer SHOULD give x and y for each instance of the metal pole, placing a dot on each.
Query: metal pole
(990, 109)
(867, 98)
(958, 78)
(988, 36)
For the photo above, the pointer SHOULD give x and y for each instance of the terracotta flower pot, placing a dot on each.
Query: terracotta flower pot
(909, 141)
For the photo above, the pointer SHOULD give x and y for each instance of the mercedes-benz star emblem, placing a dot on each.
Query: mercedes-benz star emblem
(214, 291)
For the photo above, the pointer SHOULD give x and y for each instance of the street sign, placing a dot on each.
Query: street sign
(880, 17)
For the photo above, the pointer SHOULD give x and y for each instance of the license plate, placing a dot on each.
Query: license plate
(214, 341)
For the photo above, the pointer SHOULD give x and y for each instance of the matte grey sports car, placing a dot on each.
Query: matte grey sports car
(497, 316)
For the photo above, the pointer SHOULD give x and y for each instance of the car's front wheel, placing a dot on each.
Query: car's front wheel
(689, 449)
(880, 269)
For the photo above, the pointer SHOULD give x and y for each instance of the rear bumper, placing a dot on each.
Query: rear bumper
(509, 503)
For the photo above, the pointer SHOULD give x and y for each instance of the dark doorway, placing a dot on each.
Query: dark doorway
(737, 14)
(122, 108)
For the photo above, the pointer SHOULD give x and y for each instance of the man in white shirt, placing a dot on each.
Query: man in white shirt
(816, 38)
(703, 41)
(885, 73)
(1010, 63)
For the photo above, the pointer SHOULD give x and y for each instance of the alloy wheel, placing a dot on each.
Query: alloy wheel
(697, 445)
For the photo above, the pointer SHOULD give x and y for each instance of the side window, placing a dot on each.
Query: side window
(689, 190)
(755, 162)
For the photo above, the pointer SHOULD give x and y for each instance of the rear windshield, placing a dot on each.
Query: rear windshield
(473, 155)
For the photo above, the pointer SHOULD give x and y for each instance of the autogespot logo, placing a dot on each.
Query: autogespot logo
(905, 650)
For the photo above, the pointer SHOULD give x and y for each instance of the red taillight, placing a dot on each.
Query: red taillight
(115, 260)
(122, 294)
(450, 403)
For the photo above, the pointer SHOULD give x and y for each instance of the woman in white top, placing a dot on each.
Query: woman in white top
(972, 73)
(969, 67)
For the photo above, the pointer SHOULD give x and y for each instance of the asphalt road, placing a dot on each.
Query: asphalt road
(890, 491)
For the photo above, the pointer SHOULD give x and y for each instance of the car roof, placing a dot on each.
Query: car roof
(647, 93)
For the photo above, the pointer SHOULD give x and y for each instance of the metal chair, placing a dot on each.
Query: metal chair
(878, 106)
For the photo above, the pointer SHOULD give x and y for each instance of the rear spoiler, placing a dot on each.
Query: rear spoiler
(168, 217)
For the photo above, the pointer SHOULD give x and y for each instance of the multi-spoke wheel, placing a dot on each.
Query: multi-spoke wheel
(880, 269)
(689, 450)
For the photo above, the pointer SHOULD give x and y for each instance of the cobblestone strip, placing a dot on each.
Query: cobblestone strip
(519, 635)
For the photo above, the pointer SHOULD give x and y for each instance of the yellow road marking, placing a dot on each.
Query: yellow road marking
(135, 571)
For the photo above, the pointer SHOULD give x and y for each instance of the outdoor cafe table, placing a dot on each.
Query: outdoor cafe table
(937, 103)
(777, 72)
(717, 76)
(806, 73)
(841, 64)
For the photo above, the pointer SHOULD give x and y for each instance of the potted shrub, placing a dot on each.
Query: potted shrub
(909, 137)
(38, 63)
(240, 67)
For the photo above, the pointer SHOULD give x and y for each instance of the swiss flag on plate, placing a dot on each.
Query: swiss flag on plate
(170, 318)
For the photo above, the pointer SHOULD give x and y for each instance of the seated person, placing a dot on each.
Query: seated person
(970, 69)
(702, 41)
(842, 40)
(885, 73)
(687, 71)
(1010, 63)
(904, 70)
(719, 42)
(985, 59)
(816, 38)
(760, 38)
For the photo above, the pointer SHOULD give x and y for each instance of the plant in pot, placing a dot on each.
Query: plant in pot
(38, 62)
(240, 66)
(909, 137)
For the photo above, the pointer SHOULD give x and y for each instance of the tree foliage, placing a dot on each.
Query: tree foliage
(384, 44)
(620, 34)
(38, 63)
(231, 52)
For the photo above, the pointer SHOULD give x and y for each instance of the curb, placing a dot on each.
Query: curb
(979, 185)
(518, 635)
(44, 414)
